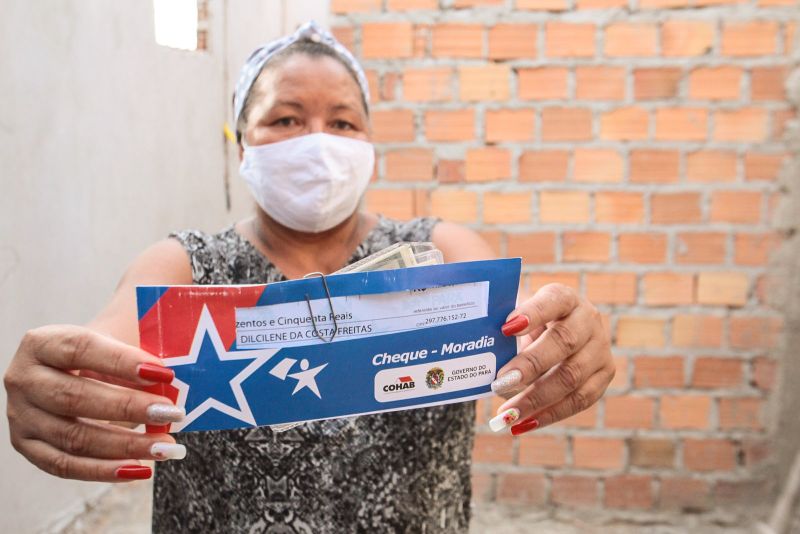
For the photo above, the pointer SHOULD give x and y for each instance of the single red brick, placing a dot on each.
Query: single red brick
(598, 453)
(681, 124)
(488, 164)
(409, 164)
(566, 124)
(427, 85)
(625, 124)
(509, 125)
(684, 38)
(381, 40)
(685, 411)
(658, 371)
(597, 166)
(642, 248)
(710, 372)
(652, 452)
(750, 38)
(675, 208)
(654, 166)
(640, 331)
(611, 288)
(629, 491)
(543, 83)
(544, 166)
(700, 247)
(450, 125)
(716, 83)
(656, 83)
(534, 248)
(697, 331)
(506, 208)
(455, 205)
(736, 206)
(396, 125)
(563, 206)
(762, 166)
(709, 454)
(629, 412)
(549, 451)
(619, 207)
(668, 289)
(586, 246)
(768, 83)
(711, 166)
(631, 39)
(599, 83)
(569, 40)
(510, 41)
(457, 40)
(746, 124)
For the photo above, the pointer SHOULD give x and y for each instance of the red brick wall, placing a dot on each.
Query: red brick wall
(627, 148)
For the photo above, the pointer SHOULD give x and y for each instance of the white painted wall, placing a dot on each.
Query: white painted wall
(107, 142)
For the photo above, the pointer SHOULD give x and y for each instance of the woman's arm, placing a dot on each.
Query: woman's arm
(64, 380)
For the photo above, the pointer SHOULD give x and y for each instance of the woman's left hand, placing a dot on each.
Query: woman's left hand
(564, 365)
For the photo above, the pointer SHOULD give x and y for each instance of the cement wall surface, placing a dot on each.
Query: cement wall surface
(107, 142)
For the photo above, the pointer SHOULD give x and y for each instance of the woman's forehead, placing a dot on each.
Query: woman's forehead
(300, 75)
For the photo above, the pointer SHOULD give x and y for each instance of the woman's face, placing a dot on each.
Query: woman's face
(305, 95)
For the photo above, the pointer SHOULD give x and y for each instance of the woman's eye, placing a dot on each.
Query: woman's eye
(285, 121)
(343, 125)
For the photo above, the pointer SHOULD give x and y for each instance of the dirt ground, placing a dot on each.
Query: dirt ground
(126, 510)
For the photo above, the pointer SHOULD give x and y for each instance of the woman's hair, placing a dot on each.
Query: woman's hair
(309, 48)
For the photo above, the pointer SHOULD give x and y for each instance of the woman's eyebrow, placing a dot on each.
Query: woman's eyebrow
(343, 107)
(290, 103)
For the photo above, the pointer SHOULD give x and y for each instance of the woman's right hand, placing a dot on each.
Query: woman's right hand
(65, 383)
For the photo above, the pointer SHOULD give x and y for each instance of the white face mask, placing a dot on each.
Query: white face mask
(309, 183)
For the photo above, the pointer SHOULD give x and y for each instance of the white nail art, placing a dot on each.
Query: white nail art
(507, 382)
(499, 422)
(165, 413)
(168, 451)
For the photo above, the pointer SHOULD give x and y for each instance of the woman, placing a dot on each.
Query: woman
(303, 128)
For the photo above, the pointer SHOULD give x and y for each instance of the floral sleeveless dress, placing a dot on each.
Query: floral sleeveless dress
(406, 471)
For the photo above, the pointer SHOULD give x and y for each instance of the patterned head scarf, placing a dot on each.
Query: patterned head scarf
(310, 31)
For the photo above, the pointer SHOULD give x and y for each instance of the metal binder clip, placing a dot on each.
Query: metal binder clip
(330, 303)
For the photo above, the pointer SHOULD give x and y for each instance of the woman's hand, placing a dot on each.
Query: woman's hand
(64, 382)
(564, 364)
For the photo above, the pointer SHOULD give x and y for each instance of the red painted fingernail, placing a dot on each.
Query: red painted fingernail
(155, 373)
(526, 426)
(134, 472)
(515, 325)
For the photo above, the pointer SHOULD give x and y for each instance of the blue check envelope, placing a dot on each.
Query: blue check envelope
(333, 346)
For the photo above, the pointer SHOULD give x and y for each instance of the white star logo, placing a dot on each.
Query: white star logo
(306, 378)
(205, 326)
